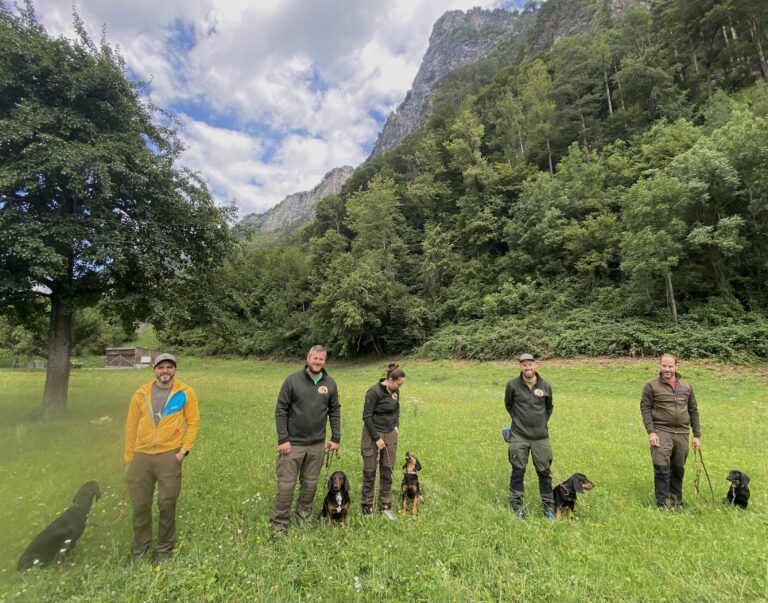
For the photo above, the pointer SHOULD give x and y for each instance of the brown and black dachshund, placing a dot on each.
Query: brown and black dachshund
(336, 502)
(61, 535)
(409, 488)
(565, 493)
(738, 493)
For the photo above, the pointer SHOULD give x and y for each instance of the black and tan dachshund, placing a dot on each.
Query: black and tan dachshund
(62, 534)
(565, 493)
(409, 488)
(738, 493)
(336, 502)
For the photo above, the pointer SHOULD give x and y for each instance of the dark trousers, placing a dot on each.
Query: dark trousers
(144, 471)
(302, 463)
(669, 467)
(386, 459)
(541, 454)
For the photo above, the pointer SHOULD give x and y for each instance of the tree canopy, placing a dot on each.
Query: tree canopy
(92, 202)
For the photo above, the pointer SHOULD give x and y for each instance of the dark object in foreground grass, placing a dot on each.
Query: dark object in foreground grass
(738, 493)
(409, 487)
(336, 502)
(565, 493)
(61, 535)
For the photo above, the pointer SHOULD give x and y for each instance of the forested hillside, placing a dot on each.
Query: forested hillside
(599, 192)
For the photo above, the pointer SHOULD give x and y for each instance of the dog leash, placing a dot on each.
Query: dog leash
(699, 463)
(329, 456)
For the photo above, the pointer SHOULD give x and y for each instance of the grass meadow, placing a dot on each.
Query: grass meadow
(465, 545)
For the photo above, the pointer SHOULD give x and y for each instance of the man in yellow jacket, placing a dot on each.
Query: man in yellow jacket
(162, 424)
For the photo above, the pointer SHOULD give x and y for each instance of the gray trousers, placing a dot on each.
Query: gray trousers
(541, 454)
(386, 459)
(144, 471)
(302, 463)
(669, 467)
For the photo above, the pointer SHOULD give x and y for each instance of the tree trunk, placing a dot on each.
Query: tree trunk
(549, 156)
(755, 32)
(671, 296)
(57, 375)
(608, 92)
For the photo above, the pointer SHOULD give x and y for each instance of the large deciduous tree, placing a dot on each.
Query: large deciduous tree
(92, 204)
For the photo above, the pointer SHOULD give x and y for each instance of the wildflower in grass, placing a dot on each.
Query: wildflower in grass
(358, 584)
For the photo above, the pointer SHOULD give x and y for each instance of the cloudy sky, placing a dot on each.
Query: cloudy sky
(270, 94)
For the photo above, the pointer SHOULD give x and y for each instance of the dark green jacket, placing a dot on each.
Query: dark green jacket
(381, 412)
(303, 407)
(530, 409)
(670, 410)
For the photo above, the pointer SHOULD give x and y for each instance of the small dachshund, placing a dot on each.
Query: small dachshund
(409, 488)
(336, 502)
(62, 534)
(738, 493)
(565, 493)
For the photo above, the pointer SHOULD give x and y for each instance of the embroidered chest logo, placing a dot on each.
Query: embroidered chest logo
(538, 392)
(322, 390)
(394, 395)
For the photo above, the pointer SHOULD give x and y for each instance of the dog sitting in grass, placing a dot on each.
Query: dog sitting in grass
(738, 493)
(409, 488)
(336, 502)
(565, 493)
(61, 535)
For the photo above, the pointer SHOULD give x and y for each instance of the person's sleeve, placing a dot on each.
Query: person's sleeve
(368, 408)
(693, 411)
(509, 398)
(131, 425)
(334, 416)
(646, 404)
(191, 418)
(281, 412)
(550, 404)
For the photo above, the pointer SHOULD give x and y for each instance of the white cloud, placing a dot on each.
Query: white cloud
(297, 77)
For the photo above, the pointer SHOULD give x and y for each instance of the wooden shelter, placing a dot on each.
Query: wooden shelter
(130, 357)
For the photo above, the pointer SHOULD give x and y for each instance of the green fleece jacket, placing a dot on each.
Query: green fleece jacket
(530, 408)
(303, 407)
(667, 409)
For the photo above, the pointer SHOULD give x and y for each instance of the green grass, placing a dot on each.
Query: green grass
(464, 546)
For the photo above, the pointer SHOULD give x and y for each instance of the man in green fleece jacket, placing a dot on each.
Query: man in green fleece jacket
(307, 399)
(528, 400)
(669, 410)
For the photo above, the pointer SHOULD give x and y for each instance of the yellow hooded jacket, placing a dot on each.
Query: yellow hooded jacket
(181, 410)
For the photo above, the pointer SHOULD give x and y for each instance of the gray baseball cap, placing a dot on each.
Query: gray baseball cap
(161, 357)
(524, 357)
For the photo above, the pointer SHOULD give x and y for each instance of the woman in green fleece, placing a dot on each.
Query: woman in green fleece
(381, 419)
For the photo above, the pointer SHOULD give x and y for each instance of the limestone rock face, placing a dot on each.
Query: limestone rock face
(299, 208)
(458, 38)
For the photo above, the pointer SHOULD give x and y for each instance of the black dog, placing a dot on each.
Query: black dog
(565, 493)
(336, 502)
(409, 487)
(738, 493)
(62, 534)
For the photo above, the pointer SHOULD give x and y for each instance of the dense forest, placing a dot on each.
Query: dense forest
(607, 194)
(602, 194)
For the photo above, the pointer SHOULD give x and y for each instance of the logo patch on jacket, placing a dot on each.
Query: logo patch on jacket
(538, 392)
(322, 390)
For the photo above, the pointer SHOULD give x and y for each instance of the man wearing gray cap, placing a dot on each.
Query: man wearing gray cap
(162, 424)
(528, 399)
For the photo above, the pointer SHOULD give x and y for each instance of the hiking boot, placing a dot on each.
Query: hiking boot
(367, 511)
(387, 512)
(549, 514)
(519, 513)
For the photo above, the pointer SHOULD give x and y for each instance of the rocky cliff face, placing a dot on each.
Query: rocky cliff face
(299, 208)
(458, 39)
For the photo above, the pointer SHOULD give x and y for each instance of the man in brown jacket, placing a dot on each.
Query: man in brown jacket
(669, 411)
